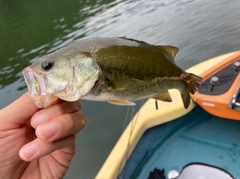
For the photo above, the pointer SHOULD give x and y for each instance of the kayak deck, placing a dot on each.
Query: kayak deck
(173, 143)
(195, 137)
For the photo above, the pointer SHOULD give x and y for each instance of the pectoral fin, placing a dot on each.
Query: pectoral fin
(163, 97)
(121, 102)
(124, 84)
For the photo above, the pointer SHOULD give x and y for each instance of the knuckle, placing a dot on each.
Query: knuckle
(72, 123)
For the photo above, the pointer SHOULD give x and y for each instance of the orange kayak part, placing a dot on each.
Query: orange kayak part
(219, 93)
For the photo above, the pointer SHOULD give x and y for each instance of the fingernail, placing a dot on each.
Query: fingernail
(37, 120)
(28, 152)
(84, 123)
(49, 130)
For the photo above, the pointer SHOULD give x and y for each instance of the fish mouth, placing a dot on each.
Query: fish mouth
(37, 88)
(35, 82)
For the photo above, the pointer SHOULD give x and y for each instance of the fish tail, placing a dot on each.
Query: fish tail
(193, 81)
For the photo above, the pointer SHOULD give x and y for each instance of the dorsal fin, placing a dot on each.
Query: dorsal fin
(170, 50)
(139, 41)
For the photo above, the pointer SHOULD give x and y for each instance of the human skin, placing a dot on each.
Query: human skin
(38, 143)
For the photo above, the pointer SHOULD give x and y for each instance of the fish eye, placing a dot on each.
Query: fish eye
(46, 66)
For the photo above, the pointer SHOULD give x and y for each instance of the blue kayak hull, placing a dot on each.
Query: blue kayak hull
(194, 137)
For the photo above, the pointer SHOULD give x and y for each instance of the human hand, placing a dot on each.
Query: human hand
(38, 143)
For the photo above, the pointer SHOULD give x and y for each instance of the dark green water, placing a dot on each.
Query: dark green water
(201, 29)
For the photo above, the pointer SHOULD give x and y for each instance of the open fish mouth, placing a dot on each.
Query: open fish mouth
(35, 83)
(37, 88)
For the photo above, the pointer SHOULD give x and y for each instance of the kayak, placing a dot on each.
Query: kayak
(200, 142)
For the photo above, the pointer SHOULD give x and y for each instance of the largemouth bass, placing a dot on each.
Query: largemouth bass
(115, 70)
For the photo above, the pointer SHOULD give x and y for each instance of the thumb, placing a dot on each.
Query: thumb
(20, 111)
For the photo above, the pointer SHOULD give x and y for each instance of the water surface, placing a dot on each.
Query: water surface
(201, 29)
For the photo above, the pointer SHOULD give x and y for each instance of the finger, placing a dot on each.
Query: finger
(38, 148)
(54, 111)
(20, 111)
(60, 127)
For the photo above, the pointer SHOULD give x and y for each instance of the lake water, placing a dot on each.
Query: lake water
(201, 29)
